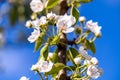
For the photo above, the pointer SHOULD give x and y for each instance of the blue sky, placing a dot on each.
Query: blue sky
(16, 59)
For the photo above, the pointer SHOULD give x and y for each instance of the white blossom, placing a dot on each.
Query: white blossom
(36, 5)
(24, 78)
(43, 20)
(77, 60)
(82, 19)
(84, 53)
(34, 67)
(93, 72)
(65, 22)
(93, 27)
(42, 66)
(94, 60)
(38, 22)
(51, 16)
(34, 35)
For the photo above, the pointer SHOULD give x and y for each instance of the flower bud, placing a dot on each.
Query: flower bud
(34, 16)
(28, 24)
(77, 60)
(94, 61)
(82, 19)
(50, 55)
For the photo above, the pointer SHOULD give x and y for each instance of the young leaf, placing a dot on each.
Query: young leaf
(70, 56)
(56, 68)
(55, 56)
(91, 46)
(52, 3)
(44, 52)
(75, 13)
(39, 42)
(75, 53)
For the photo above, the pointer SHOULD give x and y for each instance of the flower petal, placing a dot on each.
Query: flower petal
(69, 30)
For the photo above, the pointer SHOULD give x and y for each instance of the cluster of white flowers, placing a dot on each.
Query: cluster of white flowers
(93, 27)
(64, 24)
(42, 66)
(91, 62)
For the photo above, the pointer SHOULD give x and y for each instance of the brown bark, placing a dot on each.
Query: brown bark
(61, 47)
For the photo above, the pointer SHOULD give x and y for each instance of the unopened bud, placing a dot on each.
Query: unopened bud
(94, 61)
(82, 19)
(34, 16)
(28, 24)
(77, 60)
(50, 55)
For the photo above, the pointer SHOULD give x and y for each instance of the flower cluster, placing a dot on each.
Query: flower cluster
(91, 64)
(51, 30)
(63, 23)
(93, 27)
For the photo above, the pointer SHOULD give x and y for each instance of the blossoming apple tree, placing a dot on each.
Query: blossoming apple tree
(52, 21)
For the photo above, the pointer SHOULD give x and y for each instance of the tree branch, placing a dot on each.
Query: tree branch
(61, 47)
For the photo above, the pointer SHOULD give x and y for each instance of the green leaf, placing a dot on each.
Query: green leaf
(91, 46)
(55, 56)
(56, 68)
(39, 42)
(52, 3)
(84, 1)
(75, 13)
(70, 56)
(74, 52)
(44, 52)
(54, 76)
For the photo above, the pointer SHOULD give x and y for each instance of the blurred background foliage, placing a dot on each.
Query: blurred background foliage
(13, 14)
